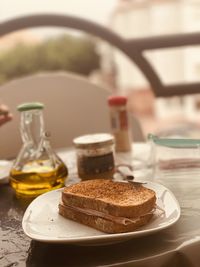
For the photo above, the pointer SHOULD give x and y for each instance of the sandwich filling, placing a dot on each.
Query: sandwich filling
(119, 220)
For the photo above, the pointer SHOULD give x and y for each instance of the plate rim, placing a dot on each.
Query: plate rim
(104, 236)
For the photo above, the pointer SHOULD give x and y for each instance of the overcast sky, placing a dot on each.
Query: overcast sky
(96, 10)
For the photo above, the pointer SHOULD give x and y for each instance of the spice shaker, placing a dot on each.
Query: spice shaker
(120, 123)
(95, 156)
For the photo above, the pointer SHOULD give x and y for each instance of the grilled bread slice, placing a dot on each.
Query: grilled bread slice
(109, 206)
(101, 223)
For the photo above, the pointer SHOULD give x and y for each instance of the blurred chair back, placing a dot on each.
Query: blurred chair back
(73, 106)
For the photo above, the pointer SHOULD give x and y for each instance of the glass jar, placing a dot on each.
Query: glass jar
(171, 157)
(37, 169)
(95, 156)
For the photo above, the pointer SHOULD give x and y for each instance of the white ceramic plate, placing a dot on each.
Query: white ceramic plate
(42, 222)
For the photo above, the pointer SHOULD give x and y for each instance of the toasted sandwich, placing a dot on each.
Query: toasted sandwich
(108, 206)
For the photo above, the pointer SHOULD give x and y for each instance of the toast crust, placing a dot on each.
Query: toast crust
(110, 197)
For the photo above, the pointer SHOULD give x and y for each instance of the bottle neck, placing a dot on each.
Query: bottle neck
(32, 127)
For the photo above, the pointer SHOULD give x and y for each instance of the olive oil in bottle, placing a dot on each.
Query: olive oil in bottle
(37, 177)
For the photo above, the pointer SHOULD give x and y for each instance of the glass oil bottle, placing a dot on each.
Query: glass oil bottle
(37, 169)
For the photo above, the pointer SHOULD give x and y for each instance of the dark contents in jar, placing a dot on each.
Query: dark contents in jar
(95, 165)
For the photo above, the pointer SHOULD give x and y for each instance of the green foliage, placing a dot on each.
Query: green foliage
(68, 53)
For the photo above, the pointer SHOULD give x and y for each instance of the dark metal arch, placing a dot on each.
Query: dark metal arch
(133, 48)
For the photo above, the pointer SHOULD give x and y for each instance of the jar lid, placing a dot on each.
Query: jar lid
(117, 100)
(30, 106)
(94, 140)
